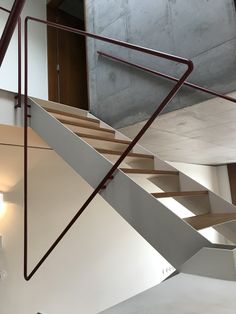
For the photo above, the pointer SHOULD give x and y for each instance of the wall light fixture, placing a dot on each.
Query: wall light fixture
(2, 205)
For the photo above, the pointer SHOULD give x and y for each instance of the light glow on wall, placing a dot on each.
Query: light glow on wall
(2, 206)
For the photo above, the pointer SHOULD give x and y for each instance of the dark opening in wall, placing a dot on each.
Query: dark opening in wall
(67, 65)
(74, 8)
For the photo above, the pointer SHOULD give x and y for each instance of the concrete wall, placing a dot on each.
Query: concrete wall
(38, 77)
(202, 30)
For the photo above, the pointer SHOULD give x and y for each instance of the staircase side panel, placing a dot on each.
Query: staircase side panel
(166, 232)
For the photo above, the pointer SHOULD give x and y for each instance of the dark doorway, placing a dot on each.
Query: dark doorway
(67, 73)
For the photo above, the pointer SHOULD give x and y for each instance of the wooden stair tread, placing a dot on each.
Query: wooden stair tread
(102, 138)
(92, 127)
(176, 194)
(149, 171)
(208, 220)
(72, 115)
(114, 152)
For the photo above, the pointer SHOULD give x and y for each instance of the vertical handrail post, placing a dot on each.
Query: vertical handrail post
(10, 27)
(26, 155)
(19, 63)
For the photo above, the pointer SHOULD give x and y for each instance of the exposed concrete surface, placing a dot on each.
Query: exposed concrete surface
(201, 134)
(183, 294)
(203, 30)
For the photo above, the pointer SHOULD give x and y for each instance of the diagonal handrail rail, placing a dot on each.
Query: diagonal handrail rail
(19, 50)
(10, 27)
(110, 173)
(171, 78)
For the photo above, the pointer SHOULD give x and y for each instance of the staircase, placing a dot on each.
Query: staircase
(146, 191)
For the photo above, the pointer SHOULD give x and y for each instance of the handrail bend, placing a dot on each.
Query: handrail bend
(110, 173)
(171, 78)
(19, 49)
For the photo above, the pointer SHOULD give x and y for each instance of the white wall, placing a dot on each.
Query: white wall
(8, 114)
(101, 261)
(214, 178)
(224, 185)
(38, 80)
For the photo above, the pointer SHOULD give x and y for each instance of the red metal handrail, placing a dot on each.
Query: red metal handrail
(110, 173)
(6, 37)
(172, 78)
(10, 27)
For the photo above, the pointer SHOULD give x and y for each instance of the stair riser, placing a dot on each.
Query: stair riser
(138, 162)
(166, 183)
(145, 183)
(141, 163)
(197, 204)
(89, 131)
(75, 120)
(105, 144)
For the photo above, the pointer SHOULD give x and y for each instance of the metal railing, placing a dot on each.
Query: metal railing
(171, 78)
(7, 34)
(13, 20)
(110, 173)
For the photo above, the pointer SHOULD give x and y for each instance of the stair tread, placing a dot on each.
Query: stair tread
(102, 138)
(148, 171)
(72, 115)
(181, 193)
(209, 220)
(114, 152)
(92, 127)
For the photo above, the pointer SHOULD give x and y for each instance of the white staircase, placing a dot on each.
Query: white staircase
(147, 192)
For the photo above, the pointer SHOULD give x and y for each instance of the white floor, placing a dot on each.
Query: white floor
(183, 294)
(203, 134)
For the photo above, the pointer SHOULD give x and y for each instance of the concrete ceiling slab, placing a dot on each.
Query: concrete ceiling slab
(204, 133)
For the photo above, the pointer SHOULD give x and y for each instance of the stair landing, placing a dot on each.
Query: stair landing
(181, 294)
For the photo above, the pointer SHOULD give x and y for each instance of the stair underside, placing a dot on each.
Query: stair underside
(208, 220)
(198, 222)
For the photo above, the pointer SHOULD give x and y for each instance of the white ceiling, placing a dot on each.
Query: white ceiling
(203, 134)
